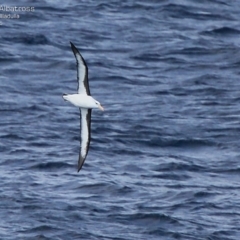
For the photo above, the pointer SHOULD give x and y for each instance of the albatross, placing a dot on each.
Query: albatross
(85, 102)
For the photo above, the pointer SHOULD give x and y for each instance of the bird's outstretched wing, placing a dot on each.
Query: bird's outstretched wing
(85, 135)
(82, 72)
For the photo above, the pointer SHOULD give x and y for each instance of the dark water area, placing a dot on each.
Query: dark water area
(164, 160)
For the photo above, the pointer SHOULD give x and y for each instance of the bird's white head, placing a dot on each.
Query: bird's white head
(98, 105)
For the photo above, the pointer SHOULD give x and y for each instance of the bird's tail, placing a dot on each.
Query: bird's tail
(65, 97)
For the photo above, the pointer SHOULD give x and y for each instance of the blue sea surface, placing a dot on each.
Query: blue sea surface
(164, 159)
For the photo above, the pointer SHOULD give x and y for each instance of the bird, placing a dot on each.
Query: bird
(85, 102)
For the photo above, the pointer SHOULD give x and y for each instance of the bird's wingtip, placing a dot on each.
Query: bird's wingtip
(80, 162)
(74, 49)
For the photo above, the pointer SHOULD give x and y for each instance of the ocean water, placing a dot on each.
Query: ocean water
(164, 160)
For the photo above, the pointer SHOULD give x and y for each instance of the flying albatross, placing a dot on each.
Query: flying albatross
(85, 102)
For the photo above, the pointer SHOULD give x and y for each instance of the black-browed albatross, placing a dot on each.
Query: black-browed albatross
(85, 102)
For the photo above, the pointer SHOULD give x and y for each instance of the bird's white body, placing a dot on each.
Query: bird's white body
(81, 100)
